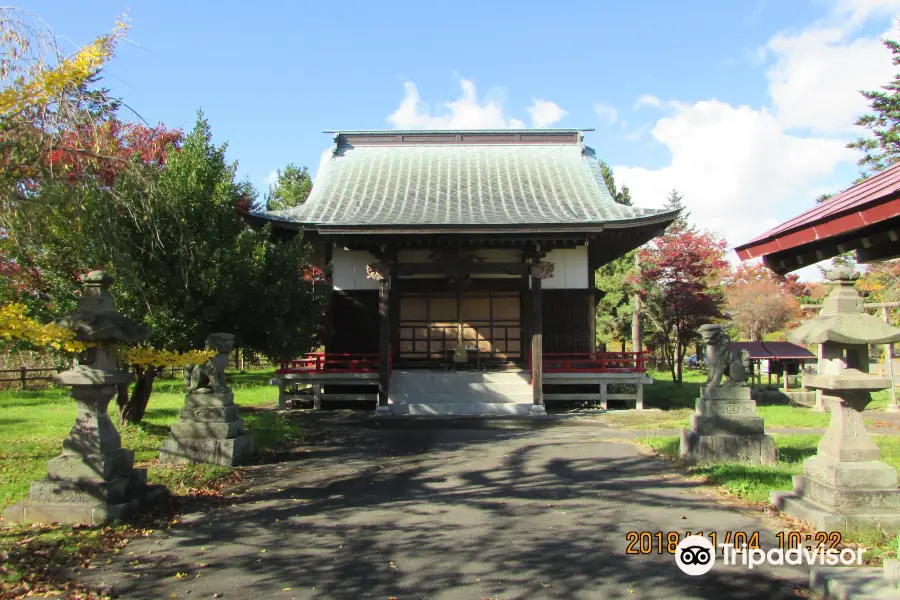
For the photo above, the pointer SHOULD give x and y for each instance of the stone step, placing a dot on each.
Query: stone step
(460, 387)
(463, 393)
(449, 377)
(498, 409)
(420, 397)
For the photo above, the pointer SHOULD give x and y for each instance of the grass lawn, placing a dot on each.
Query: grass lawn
(34, 423)
(754, 482)
(677, 404)
(32, 427)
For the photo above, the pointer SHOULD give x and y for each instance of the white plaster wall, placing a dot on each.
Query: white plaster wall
(571, 269)
(350, 270)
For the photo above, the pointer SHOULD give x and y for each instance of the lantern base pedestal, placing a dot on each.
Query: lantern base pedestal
(826, 519)
(833, 494)
(227, 452)
(75, 504)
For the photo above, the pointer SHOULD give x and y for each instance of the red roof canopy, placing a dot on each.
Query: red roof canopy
(865, 218)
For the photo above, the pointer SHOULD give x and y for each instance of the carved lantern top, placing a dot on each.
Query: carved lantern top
(96, 320)
(843, 319)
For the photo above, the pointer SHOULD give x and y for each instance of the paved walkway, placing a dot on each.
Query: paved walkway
(444, 510)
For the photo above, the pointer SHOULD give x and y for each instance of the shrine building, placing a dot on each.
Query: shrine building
(467, 259)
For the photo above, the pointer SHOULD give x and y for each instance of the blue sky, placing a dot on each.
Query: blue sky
(743, 106)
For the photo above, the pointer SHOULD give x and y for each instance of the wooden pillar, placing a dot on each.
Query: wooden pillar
(384, 341)
(328, 325)
(785, 368)
(537, 347)
(636, 341)
(592, 318)
(317, 395)
(282, 393)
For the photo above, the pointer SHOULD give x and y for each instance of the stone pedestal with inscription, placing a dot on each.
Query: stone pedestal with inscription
(845, 484)
(725, 428)
(209, 430)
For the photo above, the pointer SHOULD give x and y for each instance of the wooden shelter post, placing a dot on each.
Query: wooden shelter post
(537, 350)
(384, 342)
(539, 271)
(381, 272)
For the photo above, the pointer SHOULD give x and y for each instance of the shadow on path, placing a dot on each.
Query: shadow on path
(443, 512)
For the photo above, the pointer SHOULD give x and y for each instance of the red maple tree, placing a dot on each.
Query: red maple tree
(679, 284)
(107, 147)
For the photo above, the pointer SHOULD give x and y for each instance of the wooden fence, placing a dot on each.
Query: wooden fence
(23, 375)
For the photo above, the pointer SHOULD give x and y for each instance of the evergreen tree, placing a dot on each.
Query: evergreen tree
(615, 309)
(883, 148)
(822, 198)
(675, 201)
(291, 188)
(623, 195)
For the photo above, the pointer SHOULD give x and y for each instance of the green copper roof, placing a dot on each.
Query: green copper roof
(461, 183)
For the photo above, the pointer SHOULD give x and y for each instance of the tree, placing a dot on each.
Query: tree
(881, 283)
(623, 195)
(291, 188)
(615, 308)
(759, 307)
(675, 201)
(882, 149)
(169, 228)
(823, 197)
(37, 76)
(678, 282)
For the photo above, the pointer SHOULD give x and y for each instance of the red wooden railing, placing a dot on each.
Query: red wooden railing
(322, 362)
(594, 362)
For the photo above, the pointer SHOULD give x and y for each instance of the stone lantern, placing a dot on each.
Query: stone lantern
(94, 479)
(844, 484)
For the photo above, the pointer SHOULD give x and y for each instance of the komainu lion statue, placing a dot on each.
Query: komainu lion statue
(209, 377)
(722, 360)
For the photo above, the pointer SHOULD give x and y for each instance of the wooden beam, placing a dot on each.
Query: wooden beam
(460, 268)
(537, 350)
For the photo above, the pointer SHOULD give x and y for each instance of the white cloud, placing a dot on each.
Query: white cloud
(743, 169)
(544, 113)
(735, 166)
(467, 112)
(606, 112)
(636, 134)
(272, 177)
(859, 10)
(647, 100)
(815, 80)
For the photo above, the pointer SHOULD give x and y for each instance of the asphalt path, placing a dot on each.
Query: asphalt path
(445, 510)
